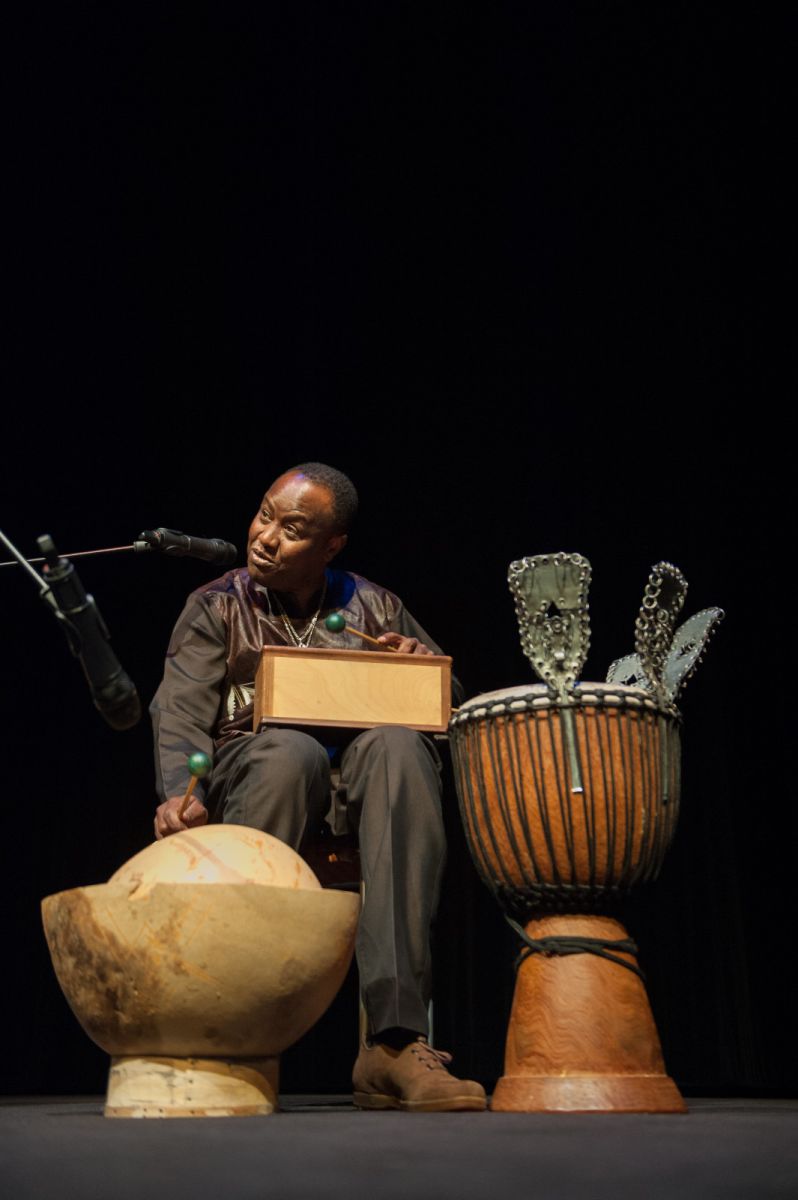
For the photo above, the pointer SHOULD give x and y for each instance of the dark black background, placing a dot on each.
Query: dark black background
(520, 271)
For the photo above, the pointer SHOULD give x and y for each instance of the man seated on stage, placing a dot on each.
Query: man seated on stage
(278, 780)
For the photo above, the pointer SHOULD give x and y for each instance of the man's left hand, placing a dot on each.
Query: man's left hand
(405, 645)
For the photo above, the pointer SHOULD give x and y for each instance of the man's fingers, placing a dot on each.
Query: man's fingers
(167, 820)
(171, 820)
(195, 814)
(405, 645)
(163, 828)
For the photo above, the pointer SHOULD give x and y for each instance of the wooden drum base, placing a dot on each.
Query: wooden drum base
(149, 1086)
(581, 1036)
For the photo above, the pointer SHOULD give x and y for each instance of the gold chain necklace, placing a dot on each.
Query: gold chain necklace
(301, 641)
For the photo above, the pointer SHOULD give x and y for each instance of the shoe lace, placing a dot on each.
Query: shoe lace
(434, 1060)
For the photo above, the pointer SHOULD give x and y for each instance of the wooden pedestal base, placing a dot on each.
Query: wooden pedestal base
(581, 1036)
(587, 1093)
(192, 1087)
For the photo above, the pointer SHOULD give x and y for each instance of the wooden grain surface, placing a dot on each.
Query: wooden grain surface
(581, 1035)
(352, 688)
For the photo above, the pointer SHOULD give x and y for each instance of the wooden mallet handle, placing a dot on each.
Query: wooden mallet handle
(336, 624)
(368, 638)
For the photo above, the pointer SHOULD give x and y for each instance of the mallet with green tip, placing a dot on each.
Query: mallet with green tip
(336, 624)
(199, 764)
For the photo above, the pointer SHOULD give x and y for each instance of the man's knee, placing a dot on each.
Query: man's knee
(394, 768)
(279, 783)
(287, 752)
(396, 741)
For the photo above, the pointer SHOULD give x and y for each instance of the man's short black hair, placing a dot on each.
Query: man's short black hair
(340, 487)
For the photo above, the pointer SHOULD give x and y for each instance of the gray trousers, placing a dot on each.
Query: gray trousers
(278, 780)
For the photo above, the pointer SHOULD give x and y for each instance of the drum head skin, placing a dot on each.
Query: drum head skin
(537, 695)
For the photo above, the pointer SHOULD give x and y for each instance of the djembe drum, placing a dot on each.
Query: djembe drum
(569, 795)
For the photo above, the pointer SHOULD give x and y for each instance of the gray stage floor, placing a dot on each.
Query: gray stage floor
(320, 1146)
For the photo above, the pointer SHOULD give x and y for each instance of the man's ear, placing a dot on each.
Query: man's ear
(336, 545)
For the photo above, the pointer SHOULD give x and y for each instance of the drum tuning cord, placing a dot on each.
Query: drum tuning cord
(575, 945)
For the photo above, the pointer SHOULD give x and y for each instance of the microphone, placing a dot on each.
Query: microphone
(112, 690)
(182, 545)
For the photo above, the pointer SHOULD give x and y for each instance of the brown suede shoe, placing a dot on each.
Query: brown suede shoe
(414, 1079)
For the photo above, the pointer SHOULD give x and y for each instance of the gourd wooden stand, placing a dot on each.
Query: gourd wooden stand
(196, 965)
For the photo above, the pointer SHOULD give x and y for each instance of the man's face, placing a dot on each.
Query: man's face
(292, 537)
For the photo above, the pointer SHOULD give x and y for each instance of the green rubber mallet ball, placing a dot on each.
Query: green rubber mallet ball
(199, 764)
(335, 623)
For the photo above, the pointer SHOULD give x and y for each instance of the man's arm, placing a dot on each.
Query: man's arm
(185, 711)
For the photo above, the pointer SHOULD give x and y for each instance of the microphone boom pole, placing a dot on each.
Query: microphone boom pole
(170, 542)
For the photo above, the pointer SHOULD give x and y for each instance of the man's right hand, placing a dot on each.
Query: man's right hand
(166, 819)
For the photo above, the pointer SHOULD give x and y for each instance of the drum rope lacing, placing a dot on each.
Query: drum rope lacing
(561, 946)
(607, 694)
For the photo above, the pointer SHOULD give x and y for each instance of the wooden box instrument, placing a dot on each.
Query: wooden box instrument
(356, 689)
